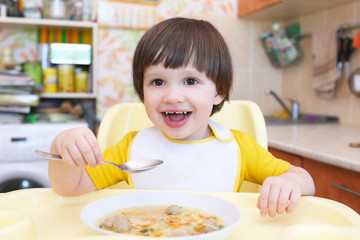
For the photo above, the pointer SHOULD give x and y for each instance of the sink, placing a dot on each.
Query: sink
(303, 119)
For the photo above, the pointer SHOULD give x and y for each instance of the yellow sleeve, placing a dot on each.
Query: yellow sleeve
(257, 163)
(106, 174)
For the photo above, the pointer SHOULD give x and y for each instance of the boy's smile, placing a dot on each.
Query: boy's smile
(179, 101)
(176, 119)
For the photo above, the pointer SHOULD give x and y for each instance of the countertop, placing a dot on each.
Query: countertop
(327, 143)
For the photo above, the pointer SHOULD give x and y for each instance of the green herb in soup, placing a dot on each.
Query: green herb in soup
(161, 221)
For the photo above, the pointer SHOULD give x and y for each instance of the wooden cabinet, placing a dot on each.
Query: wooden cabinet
(335, 183)
(293, 159)
(283, 9)
(331, 182)
(246, 7)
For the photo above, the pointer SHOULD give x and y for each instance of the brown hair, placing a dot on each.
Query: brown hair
(177, 41)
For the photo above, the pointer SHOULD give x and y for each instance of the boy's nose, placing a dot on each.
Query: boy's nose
(173, 95)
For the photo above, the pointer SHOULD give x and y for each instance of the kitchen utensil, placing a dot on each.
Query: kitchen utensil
(354, 82)
(348, 50)
(340, 57)
(132, 166)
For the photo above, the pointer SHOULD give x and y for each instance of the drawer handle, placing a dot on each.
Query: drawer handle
(18, 139)
(346, 189)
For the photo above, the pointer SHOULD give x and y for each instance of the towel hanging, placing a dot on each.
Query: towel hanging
(325, 62)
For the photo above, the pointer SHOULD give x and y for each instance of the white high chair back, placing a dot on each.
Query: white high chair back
(236, 114)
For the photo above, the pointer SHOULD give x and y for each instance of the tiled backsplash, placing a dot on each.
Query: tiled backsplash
(254, 72)
(297, 81)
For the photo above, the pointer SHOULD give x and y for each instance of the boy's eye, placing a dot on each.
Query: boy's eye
(191, 81)
(157, 82)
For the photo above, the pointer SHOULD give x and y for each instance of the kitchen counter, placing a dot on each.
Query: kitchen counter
(326, 143)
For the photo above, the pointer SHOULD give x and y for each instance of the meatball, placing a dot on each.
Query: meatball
(179, 233)
(211, 225)
(119, 223)
(173, 209)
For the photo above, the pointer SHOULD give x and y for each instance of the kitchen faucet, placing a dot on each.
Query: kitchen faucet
(293, 112)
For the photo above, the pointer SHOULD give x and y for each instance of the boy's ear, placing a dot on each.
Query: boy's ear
(218, 99)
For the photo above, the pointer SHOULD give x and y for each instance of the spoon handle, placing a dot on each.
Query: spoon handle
(48, 155)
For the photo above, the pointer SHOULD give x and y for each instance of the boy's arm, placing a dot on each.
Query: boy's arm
(68, 180)
(282, 193)
(78, 148)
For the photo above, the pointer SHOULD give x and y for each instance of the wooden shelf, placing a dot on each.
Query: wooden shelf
(68, 95)
(106, 26)
(55, 23)
(46, 22)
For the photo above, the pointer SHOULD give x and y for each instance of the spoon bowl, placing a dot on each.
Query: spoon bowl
(131, 167)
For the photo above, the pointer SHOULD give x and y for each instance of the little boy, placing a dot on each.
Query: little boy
(182, 72)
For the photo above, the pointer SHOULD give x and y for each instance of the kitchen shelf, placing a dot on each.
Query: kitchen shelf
(60, 23)
(68, 95)
(46, 22)
(106, 26)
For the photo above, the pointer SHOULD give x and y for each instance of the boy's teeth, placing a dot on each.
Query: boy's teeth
(175, 112)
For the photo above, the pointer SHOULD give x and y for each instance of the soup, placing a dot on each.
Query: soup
(161, 221)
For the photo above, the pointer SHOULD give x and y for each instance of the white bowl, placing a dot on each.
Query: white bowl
(228, 212)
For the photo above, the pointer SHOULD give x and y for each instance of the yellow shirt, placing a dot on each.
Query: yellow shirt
(256, 163)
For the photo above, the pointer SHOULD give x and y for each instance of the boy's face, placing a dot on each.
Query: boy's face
(179, 101)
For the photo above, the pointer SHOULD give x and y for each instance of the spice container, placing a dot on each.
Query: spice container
(81, 78)
(57, 9)
(6, 59)
(50, 80)
(66, 77)
(31, 10)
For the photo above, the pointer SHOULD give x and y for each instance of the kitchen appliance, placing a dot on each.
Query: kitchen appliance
(20, 167)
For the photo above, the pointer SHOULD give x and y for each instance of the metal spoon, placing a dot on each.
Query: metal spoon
(132, 166)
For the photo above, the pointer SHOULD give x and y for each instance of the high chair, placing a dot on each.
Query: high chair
(238, 114)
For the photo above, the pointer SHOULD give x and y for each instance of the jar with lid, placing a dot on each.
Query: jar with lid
(6, 58)
(50, 80)
(66, 77)
(81, 79)
(55, 9)
(31, 10)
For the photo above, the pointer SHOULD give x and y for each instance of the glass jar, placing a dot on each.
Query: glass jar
(66, 78)
(31, 10)
(57, 9)
(81, 79)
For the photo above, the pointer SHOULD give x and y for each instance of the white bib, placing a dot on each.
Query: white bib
(207, 165)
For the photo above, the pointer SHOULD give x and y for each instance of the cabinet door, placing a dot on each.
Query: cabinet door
(248, 6)
(328, 178)
(292, 159)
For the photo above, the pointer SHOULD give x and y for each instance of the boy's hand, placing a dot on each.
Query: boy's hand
(278, 195)
(282, 193)
(78, 147)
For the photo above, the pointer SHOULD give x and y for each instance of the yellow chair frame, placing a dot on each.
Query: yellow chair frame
(236, 114)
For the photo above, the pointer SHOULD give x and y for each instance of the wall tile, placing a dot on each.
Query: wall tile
(340, 15)
(241, 85)
(262, 80)
(236, 34)
(259, 57)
